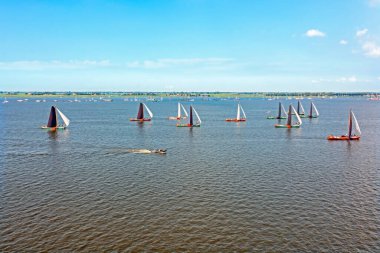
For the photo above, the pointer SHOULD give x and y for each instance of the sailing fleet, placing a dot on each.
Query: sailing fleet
(293, 118)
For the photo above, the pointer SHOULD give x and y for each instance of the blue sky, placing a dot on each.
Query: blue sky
(190, 45)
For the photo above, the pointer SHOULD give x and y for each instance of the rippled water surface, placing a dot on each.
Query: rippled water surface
(222, 187)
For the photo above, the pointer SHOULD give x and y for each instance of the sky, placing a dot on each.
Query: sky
(190, 45)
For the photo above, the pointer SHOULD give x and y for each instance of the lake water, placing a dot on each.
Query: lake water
(223, 187)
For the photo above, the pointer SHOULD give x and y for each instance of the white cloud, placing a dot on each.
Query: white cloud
(42, 65)
(371, 49)
(351, 79)
(361, 33)
(343, 42)
(374, 3)
(168, 62)
(315, 33)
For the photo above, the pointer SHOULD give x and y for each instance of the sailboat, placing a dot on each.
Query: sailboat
(353, 133)
(5, 101)
(281, 111)
(238, 116)
(313, 108)
(179, 114)
(53, 123)
(300, 110)
(291, 112)
(191, 119)
(140, 114)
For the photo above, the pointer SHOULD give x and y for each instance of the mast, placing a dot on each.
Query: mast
(350, 124)
(140, 114)
(238, 113)
(191, 115)
(53, 121)
(289, 122)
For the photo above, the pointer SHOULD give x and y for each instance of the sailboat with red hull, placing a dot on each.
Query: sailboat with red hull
(191, 119)
(353, 133)
(140, 114)
(239, 118)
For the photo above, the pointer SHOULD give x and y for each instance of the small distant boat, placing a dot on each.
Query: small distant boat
(191, 120)
(291, 112)
(313, 109)
(53, 120)
(238, 116)
(179, 114)
(281, 111)
(140, 114)
(350, 136)
(300, 110)
(5, 101)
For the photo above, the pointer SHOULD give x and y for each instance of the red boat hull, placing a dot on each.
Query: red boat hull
(343, 138)
(140, 120)
(236, 120)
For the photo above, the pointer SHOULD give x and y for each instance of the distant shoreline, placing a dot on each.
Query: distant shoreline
(186, 94)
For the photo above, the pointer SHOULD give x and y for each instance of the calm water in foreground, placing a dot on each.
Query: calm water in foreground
(222, 187)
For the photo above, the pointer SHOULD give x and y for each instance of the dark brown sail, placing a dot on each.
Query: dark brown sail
(289, 116)
(140, 114)
(298, 107)
(279, 111)
(53, 122)
(311, 110)
(191, 115)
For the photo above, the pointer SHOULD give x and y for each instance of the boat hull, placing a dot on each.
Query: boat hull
(187, 125)
(177, 118)
(140, 120)
(53, 128)
(236, 120)
(272, 117)
(312, 117)
(343, 138)
(286, 126)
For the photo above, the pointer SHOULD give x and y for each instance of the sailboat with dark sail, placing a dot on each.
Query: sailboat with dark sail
(300, 110)
(53, 123)
(140, 114)
(289, 124)
(191, 119)
(281, 113)
(240, 116)
(354, 131)
(313, 111)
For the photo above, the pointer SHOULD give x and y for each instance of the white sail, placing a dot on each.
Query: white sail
(357, 128)
(315, 109)
(64, 118)
(284, 111)
(199, 119)
(238, 112)
(179, 110)
(184, 110)
(302, 110)
(149, 112)
(243, 111)
(298, 116)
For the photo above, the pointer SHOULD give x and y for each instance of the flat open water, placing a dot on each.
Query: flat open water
(223, 187)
